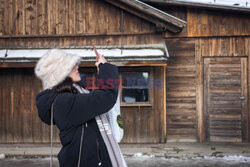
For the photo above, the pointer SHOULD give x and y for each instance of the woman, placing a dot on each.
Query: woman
(76, 111)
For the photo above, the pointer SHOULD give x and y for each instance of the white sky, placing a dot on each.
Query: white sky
(240, 3)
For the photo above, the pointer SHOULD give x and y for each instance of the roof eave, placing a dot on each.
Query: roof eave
(162, 20)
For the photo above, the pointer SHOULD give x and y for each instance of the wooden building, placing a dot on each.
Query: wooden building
(197, 54)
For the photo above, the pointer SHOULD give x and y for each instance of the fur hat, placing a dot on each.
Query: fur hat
(54, 67)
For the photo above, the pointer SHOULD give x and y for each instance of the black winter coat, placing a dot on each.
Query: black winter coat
(71, 111)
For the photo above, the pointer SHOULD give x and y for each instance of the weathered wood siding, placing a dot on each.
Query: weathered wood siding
(225, 98)
(209, 22)
(146, 124)
(181, 91)
(221, 47)
(19, 121)
(70, 23)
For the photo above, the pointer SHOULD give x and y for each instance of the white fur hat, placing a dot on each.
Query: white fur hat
(54, 67)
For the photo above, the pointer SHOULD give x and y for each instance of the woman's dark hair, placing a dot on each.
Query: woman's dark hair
(65, 86)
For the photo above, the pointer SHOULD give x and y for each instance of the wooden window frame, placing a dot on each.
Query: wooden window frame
(150, 102)
(150, 71)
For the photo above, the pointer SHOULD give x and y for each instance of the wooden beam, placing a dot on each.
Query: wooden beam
(155, 12)
(127, 8)
(78, 35)
(162, 20)
(199, 4)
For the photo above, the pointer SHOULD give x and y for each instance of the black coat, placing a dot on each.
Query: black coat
(71, 111)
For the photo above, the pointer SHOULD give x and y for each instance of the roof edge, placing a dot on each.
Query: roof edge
(200, 4)
(161, 19)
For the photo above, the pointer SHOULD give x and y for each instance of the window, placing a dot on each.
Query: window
(136, 88)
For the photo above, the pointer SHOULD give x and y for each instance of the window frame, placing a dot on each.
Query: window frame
(150, 71)
(150, 90)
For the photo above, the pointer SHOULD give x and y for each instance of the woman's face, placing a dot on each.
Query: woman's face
(75, 75)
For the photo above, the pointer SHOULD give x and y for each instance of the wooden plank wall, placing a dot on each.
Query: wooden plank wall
(223, 108)
(181, 91)
(219, 47)
(19, 121)
(45, 17)
(70, 23)
(185, 79)
(146, 124)
(209, 22)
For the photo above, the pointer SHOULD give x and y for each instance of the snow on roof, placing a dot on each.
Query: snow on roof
(235, 3)
(87, 54)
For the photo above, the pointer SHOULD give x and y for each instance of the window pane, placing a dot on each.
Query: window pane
(135, 79)
(134, 95)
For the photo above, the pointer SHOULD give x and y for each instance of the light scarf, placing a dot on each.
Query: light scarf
(113, 148)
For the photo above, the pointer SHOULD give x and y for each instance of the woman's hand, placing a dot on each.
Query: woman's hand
(99, 59)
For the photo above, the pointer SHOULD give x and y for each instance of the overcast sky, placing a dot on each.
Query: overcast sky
(242, 3)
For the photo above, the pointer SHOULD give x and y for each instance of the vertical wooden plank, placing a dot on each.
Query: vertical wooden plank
(153, 113)
(90, 16)
(244, 93)
(42, 13)
(165, 103)
(32, 106)
(192, 19)
(2, 114)
(61, 16)
(225, 45)
(11, 16)
(248, 56)
(199, 92)
(36, 122)
(83, 13)
(8, 108)
(49, 16)
(205, 118)
(28, 15)
(17, 116)
(102, 17)
(23, 17)
(5, 112)
(78, 19)
(19, 22)
(22, 106)
(6, 21)
(159, 116)
(72, 16)
(130, 124)
(14, 11)
(33, 17)
(27, 98)
(57, 13)
(114, 23)
(12, 123)
(1, 17)
(66, 29)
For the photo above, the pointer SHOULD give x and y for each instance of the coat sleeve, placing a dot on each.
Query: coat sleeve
(87, 106)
